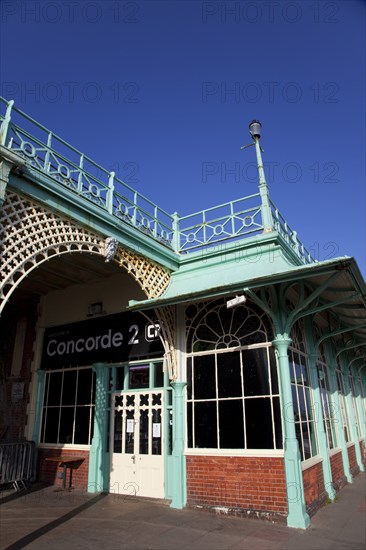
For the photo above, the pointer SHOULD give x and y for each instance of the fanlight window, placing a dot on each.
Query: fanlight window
(214, 327)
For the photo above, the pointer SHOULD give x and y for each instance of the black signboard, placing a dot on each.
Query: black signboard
(110, 339)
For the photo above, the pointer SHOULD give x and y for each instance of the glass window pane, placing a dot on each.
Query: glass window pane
(228, 375)
(144, 432)
(82, 418)
(120, 378)
(231, 424)
(84, 387)
(54, 388)
(130, 432)
(204, 377)
(295, 404)
(255, 372)
(304, 370)
(159, 375)
(205, 425)
(189, 378)
(189, 426)
(274, 374)
(298, 429)
(139, 376)
(52, 425)
(69, 387)
(118, 420)
(306, 440)
(302, 406)
(66, 425)
(258, 423)
(277, 422)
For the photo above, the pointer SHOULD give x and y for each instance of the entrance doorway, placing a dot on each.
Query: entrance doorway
(137, 444)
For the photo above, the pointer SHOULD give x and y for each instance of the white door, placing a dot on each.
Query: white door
(137, 452)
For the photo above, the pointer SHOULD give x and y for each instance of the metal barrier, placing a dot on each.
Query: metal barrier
(16, 463)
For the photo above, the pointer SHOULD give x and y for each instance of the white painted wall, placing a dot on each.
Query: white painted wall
(71, 305)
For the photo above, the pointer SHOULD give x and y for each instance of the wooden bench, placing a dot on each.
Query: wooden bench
(67, 462)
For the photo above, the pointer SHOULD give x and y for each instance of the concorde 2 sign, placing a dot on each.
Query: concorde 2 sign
(110, 339)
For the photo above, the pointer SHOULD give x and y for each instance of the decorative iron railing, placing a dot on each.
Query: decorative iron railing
(50, 154)
(290, 236)
(226, 222)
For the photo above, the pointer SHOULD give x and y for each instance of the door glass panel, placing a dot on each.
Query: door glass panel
(117, 432)
(130, 432)
(130, 400)
(156, 432)
(159, 375)
(139, 377)
(144, 432)
(144, 400)
(156, 399)
(119, 401)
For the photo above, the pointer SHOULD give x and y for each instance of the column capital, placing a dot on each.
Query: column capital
(177, 385)
(97, 367)
(281, 342)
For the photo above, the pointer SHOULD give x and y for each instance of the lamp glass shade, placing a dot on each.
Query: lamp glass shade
(255, 128)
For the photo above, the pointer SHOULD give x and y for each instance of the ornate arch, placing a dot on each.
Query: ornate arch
(31, 234)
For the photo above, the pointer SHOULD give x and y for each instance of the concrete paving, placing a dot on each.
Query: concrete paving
(43, 518)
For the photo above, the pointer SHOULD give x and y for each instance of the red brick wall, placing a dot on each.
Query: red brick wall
(352, 460)
(338, 478)
(47, 471)
(363, 451)
(239, 483)
(314, 489)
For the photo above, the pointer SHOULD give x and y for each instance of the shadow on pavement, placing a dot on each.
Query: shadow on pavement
(31, 537)
(7, 496)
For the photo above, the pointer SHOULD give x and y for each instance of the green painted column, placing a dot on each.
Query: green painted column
(317, 399)
(337, 412)
(352, 420)
(178, 466)
(36, 436)
(266, 212)
(98, 476)
(297, 515)
(361, 413)
(322, 436)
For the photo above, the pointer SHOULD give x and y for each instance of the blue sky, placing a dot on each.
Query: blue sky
(162, 92)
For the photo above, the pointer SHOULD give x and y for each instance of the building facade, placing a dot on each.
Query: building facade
(207, 359)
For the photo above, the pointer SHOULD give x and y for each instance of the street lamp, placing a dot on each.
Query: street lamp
(255, 129)
(267, 220)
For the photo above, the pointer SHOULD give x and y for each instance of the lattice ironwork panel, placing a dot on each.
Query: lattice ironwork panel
(30, 234)
(152, 278)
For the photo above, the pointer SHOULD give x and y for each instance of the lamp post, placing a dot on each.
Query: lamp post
(267, 221)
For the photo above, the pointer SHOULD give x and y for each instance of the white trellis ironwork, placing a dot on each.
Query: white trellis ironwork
(30, 234)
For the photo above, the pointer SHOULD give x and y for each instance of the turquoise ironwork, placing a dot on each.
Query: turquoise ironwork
(44, 151)
(98, 476)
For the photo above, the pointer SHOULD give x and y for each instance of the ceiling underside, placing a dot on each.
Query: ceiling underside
(61, 272)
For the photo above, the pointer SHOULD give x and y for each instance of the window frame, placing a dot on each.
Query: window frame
(60, 407)
(276, 450)
(309, 418)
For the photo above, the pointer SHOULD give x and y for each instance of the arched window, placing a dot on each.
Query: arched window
(232, 387)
